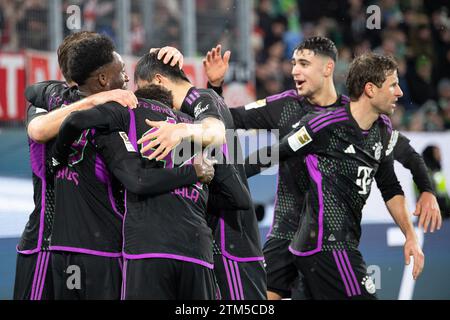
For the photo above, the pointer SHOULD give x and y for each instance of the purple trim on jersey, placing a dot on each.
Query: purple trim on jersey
(238, 276)
(36, 272)
(87, 251)
(330, 123)
(132, 130)
(100, 170)
(44, 275)
(336, 112)
(387, 122)
(227, 254)
(313, 169)
(345, 99)
(189, 101)
(321, 119)
(124, 280)
(227, 271)
(347, 274)
(168, 256)
(344, 280)
(119, 260)
(274, 206)
(36, 158)
(233, 277)
(352, 273)
(40, 281)
(290, 93)
(196, 93)
(365, 133)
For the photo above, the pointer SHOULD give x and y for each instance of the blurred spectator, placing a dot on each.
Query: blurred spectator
(32, 25)
(432, 157)
(419, 81)
(416, 32)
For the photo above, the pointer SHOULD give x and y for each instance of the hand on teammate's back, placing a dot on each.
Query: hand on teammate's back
(165, 139)
(170, 54)
(124, 97)
(216, 66)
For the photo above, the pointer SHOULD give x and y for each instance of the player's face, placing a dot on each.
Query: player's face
(308, 72)
(385, 98)
(118, 78)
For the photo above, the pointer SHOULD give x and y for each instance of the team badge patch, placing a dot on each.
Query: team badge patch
(127, 142)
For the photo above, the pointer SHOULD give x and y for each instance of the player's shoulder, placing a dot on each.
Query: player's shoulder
(321, 119)
(286, 95)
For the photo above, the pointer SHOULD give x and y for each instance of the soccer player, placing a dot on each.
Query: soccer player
(313, 65)
(44, 117)
(167, 243)
(344, 150)
(237, 251)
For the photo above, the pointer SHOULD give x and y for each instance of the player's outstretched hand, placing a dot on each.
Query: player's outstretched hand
(124, 97)
(429, 213)
(204, 168)
(167, 137)
(412, 248)
(216, 66)
(170, 53)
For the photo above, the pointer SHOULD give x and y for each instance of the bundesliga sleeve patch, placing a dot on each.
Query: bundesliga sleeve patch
(256, 105)
(127, 142)
(300, 139)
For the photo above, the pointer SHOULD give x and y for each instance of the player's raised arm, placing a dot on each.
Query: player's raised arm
(216, 67)
(127, 165)
(427, 207)
(210, 132)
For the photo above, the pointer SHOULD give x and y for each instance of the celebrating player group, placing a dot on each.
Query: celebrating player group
(144, 195)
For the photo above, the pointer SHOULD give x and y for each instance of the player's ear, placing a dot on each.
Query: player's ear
(329, 68)
(160, 79)
(102, 79)
(369, 89)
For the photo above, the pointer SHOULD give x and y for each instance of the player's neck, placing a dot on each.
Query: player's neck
(324, 97)
(179, 92)
(363, 114)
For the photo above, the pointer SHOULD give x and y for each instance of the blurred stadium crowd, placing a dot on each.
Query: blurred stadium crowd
(416, 32)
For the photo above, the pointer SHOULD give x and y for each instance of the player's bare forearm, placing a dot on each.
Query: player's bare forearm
(211, 133)
(46, 127)
(399, 212)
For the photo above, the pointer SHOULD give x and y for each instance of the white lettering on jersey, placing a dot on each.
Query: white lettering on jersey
(364, 180)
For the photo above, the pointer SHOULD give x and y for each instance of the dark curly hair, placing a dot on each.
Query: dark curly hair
(155, 92)
(320, 45)
(368, 67)
(149, 65)
(88, 55)
(66, 46)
